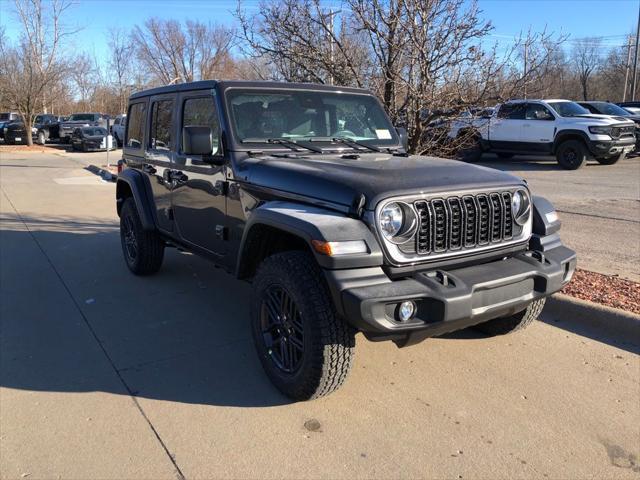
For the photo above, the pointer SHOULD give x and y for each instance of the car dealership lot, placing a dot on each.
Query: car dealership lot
(106, 375)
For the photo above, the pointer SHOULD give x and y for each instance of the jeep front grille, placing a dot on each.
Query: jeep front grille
(467, 222)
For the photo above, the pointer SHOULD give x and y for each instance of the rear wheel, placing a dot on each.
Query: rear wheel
(571, 154)
(143, 250)
(512, 323)
(305, 348)
(611, 160)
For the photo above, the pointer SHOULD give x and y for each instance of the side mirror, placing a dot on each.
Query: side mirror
(404, 137)
(198, 140)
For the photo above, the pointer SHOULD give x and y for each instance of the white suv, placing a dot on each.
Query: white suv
(118, 128)
(557, 127)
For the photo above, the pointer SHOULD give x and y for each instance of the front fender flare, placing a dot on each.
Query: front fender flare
(314, 223)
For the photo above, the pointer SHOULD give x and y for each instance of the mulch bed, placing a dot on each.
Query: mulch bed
(26, 148)
(606, 290)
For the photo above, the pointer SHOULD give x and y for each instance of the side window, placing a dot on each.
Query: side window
(535, 111)
(513, 111)
(161, 125)
(201, 112)
(116, 121)
(135, 129)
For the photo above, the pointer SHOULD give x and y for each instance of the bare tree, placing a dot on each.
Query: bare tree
(173, 54)
(120, 63)
(32, 67)
(586, 60)
(425, 59)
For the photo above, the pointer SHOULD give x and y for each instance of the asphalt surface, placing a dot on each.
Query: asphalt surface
(107, 375)
(599, 207)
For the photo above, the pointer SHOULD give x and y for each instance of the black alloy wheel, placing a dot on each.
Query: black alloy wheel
(129, 239)
(571, 154)
(282, 329)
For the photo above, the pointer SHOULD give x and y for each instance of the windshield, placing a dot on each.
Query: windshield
(610, 109)
(82, 117)
(92, 132)
(260, 115)
(568, 109)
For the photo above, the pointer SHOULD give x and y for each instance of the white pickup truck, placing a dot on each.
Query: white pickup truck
(118, 128)
(549, 127)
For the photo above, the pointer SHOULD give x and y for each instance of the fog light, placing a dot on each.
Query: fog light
(406, 311)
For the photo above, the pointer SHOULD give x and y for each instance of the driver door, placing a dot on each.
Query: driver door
(199, 188)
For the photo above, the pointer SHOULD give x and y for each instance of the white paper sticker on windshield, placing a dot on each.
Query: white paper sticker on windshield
(383, 134)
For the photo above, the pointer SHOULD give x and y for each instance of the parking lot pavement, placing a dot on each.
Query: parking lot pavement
(107, 375)
(599, 207)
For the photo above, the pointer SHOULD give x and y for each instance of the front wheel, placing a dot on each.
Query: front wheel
(512, 323)
(571, 154)
(611, 160)
(305, 347)
(42, 139)
(143, 250)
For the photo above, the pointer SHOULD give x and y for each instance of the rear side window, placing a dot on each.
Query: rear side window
(201, 112)
(161, 125)
(512, 111)
(135, 128)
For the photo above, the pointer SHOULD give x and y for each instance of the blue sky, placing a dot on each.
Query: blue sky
(612, 19)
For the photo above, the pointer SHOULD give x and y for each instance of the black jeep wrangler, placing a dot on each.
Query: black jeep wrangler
(307, 192)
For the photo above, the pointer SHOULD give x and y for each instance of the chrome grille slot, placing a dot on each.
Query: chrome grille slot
(496, 219)
(471, 221)
(423, 239)
(484, 213)
(508, 216)
(440, 225)
(456, 223)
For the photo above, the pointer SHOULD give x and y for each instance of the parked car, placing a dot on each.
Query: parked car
(81, 120)
(307, 192)
(607, 108)
(5, 119)
(90, 139)
(45, 127)
(118, 129)
(552, 127)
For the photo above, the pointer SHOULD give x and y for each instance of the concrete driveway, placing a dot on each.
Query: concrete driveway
(107, 375)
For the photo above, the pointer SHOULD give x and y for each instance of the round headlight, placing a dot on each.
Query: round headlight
(398, 222)
(391, 218)
(520, 207)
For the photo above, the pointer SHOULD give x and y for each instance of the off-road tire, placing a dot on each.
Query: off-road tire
(41, 139)
(329, 342)
(150, 247)
(571, 154)
(611, 160)
(504, 155)
(512, 323)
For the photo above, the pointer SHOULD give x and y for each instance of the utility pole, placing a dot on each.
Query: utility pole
(626, 73)
(635, 60)
(526, 57)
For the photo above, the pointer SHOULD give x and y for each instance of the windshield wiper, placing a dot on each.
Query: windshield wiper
(355, 143)
(293, 145)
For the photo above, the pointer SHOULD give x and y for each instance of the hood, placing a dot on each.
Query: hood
(335, 179)
(14, 126)
(599, 120)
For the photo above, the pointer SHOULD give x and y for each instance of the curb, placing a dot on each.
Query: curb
(590, 314)
(105, 174)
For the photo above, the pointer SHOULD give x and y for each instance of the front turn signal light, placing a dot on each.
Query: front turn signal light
(333, 249)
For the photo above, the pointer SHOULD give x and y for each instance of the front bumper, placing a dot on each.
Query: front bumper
(448, 300)
(609, 148)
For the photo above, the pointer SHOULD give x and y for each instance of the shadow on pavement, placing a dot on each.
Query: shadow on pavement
(182, 335)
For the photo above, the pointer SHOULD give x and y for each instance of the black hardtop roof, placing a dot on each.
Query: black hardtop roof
(224, 84)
